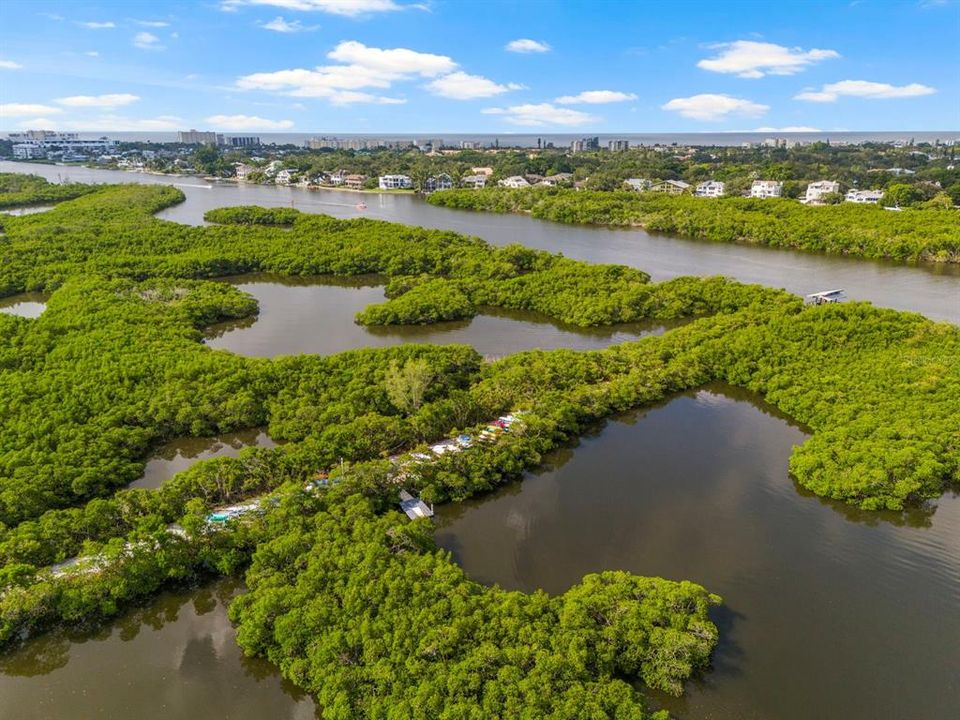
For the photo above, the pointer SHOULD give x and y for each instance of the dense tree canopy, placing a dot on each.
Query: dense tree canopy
(928, 234)
(351, 600)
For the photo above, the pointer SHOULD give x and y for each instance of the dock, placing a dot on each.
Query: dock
(825, 297)
(415, 508)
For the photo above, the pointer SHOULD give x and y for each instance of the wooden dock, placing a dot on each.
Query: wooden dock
(415, 508)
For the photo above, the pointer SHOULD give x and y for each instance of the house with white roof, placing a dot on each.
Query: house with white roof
(817, 190)
(711, 188)
(395, 182)
(766, 189)
(515, 181)
(864, 196)
(637, 184)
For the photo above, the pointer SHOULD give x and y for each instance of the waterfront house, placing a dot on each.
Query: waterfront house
(515, 181)
(338, 178)
(440, 182)
(476, 182)
(284, 177)
(817, 190)
(637, 184)
(670, 187)
(395, 182)
(273, 168)
(557, 180)
(711, 188)
(354, 182)
(766, 189)
(243, 171)
(864, 196)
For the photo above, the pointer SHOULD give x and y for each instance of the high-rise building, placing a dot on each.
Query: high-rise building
(618, 145)
(199, 137)
(243, 141)
(585, 144)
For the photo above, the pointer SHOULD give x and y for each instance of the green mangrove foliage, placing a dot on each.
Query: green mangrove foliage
(374, 622)
(352, 601)
(113, 234)
(928, 234)
(18, 190)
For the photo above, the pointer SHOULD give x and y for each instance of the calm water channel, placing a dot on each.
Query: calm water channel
(175, 658)
(828, 612)
(933, 290)
(315, 315)
(178, 455)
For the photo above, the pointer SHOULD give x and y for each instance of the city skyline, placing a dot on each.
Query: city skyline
(381, 66)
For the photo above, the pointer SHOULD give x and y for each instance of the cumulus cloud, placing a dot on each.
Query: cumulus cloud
(363, 67)
(752, 59)
(147, 41)
(93, 25)
(347, 8)
(25, 109)
(278, 24)
(864, 89)
(540, 114)
(10, 65)
(595, 97)
(98, 101)
(247, 122)
(526, 45)
(711, 108)
(461, 86)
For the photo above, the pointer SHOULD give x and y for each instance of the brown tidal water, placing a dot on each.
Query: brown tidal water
(174, 658)
(928, 288)
(828, 612)
(177, 455)
(316, 315)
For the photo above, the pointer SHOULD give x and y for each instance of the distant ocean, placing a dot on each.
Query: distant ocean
(563, 139)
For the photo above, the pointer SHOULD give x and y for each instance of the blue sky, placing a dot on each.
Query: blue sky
(380, 66)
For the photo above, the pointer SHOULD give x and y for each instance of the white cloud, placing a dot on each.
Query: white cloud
(540, 114)
(526, 45)
(24, 109)
(98, 101)
(864, 89)
(461, 86)
(147, 41)
(10, 65)
(751, 59)
(364, 67)
(247, 122)
(109, 123)
(595, 97)
(92, 53)
(278, 24)
(92, 25)
(348, 8)
(152, 23)
(709, 107)
(397, 60)
(787, 129)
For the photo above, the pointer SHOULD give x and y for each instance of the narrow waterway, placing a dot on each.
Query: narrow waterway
(174, 658)
(930, 289)
(316, 315)
(828, 612)
(178, 455)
